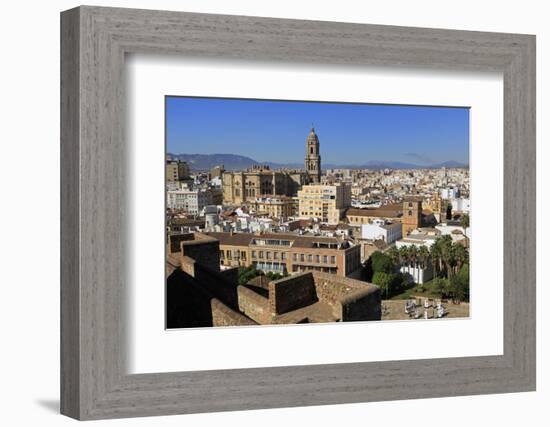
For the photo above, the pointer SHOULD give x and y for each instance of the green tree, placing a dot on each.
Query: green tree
(246, 274)
(274, 276)
(446, 243)
(441, 286)
(435, 256)
(384, 281)
(404, 255)
(465, 221)
(460, 284)
(382, 263)
(393, 253)
(460, 257)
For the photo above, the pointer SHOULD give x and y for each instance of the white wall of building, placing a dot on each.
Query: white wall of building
(449, 193)
(417, 274)
(192, 202)
(461, 205)
(378, 231)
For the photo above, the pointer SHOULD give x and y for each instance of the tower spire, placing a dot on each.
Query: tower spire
(313, 159)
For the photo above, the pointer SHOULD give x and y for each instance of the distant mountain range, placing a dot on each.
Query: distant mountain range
(237, 162)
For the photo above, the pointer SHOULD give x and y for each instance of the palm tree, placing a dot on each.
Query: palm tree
(435, 255)
(460, 256)
(447, 253)
(465, 221)
(393, 253)
(423, 255)
(413, 254)
(404, 256)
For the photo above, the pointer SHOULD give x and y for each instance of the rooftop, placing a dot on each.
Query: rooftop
(394, 210)
(245, 239)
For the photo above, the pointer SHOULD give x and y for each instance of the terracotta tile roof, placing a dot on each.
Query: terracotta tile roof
(394, 210)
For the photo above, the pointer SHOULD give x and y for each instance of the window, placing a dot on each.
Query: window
(302, 257)
(253, 254)
(283, 256)
(325, 259)
(317, 259)
(310, 258)
(410, 213)
(268, 255)
(333, 259)
(261, 254)
(295, 257)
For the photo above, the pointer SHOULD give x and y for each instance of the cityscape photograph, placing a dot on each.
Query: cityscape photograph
(296, 212)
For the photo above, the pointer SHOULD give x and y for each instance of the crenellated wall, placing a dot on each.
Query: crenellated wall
(291, 293)
(350, 299)
(254, 305)
(224, 316)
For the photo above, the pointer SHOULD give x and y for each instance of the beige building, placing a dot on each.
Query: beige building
(391, 212)
(280, 253)
(436, 205)
(176, 170)
(280, 207)
(327, 203)
(259, 181)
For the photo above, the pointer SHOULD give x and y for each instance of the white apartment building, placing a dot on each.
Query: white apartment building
(191, 201)
(381, 230)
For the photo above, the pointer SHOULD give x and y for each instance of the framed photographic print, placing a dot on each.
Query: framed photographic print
(262, 213)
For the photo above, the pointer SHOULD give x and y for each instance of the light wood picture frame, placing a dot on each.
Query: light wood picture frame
(94, 42)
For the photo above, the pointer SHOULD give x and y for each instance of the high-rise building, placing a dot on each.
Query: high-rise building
(176, 170)
(327, 203)
(313, 158)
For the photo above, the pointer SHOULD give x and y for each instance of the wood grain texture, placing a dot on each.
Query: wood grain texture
(70, 315)
(94, 382)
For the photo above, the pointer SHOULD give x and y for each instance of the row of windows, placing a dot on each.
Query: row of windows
(301, 268)
(271, 242)
(314, 258)
(269, 255)
(230, 255)
(276, 256)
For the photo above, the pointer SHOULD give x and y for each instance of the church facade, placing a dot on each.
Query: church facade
(260, 181)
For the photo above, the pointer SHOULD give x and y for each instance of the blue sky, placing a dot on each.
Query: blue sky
(276, 131)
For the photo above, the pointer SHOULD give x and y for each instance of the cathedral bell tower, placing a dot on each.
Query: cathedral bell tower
(313, 158)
